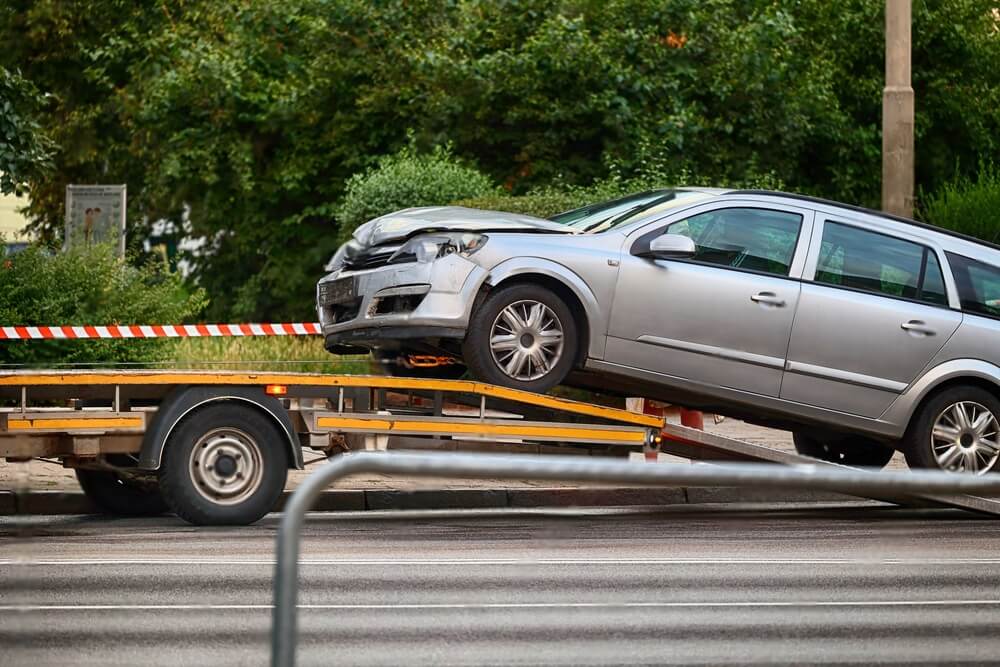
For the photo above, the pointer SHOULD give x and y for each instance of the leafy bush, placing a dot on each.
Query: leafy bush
(546, 202)
(88, 286)
(540, 205)
(968, 206)
(408, 179)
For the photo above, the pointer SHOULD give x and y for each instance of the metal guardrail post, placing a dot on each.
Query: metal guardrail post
(578, 469)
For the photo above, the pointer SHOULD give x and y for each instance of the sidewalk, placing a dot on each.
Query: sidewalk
(45, 488)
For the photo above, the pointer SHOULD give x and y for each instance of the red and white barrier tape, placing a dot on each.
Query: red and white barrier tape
(160, 331)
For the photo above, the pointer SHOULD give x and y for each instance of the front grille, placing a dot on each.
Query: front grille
(376, 257)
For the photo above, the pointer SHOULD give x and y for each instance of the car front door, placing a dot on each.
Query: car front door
(722, 316)
(873, 315)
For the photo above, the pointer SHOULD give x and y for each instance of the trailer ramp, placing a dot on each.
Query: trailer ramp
(698, 445)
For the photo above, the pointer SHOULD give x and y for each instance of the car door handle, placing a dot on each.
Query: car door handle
(768, 298)
(918, 327)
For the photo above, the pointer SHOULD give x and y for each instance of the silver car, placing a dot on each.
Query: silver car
(860, 332)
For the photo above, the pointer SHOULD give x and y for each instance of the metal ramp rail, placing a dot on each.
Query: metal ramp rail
(698, 445)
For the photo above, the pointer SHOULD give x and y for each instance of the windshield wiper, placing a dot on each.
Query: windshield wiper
(611, 222)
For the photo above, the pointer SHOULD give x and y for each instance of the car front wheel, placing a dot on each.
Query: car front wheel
(522, 336)
(846, 450)
(958, 430)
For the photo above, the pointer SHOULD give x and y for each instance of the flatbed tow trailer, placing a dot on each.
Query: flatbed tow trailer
(215, 447)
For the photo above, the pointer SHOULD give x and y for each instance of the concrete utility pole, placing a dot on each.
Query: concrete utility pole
(897, 112)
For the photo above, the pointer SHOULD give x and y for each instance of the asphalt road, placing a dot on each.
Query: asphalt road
(686, 585)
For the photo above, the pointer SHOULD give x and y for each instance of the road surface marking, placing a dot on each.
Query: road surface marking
(508, 561)
(504, 605)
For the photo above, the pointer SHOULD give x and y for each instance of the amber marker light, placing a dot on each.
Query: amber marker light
(276, 389)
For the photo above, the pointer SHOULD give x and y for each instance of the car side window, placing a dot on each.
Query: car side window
(873, 262)
(978, 285)
(744, 238)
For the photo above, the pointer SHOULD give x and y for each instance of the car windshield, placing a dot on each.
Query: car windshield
(603, 216)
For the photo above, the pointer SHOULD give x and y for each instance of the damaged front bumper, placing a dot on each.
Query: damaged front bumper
(416, 300)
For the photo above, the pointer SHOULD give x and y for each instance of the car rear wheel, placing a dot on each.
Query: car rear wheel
(522, 336)
(848, 450)
(958, 430)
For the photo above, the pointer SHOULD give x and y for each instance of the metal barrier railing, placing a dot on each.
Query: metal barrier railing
(575, 469)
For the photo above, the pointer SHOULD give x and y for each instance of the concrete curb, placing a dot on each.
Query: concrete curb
(66, 502)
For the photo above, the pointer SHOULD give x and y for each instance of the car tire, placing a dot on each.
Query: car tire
(115, 494)
(253, 451)
(848, 450)
(547, 347)
(925, 447)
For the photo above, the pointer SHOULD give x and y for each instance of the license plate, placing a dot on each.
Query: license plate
(337, 291)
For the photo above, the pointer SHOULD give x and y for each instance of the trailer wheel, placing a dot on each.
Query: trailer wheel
(115, 494)
(225, 464)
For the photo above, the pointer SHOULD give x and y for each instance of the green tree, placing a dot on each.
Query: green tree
(25, 151)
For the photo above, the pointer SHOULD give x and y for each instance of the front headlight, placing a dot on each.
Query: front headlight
(432, 246)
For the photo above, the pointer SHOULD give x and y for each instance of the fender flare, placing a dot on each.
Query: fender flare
(517, 266)
(182, 401)
(903, 408)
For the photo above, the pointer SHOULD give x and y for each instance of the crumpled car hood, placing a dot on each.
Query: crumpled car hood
(402, 224)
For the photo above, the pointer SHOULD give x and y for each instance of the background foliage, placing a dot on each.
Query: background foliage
(243, 122)
(968, 205)
(25, 152)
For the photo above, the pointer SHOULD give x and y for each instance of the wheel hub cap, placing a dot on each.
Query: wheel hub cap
(965, 438)
(526, 340)
(226, 466)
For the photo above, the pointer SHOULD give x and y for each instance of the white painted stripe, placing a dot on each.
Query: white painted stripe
(125, 331)
(80, 332)
(507, 561)
(10, 332)
(34, 333)
(299, 328)
(279, 329)
(58, 332)
(191, 330)
(170, 331)
(102, 332)
(257, 330)
(511, 605)
(146, 331)
(213, 330)
(234, 329)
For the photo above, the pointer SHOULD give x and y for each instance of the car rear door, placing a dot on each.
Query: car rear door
(872, 314)
(721, 318)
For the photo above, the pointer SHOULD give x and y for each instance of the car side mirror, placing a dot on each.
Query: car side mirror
(671, 246)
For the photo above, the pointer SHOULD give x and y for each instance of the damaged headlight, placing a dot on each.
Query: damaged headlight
(429, 247)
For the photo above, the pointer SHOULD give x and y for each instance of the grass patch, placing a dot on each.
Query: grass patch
(278, 353)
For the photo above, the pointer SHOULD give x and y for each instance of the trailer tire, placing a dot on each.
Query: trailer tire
(114, 494)
(225, 464)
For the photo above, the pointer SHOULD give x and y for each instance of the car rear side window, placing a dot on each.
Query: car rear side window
(863, 260)
(978, 285)
(752, 239)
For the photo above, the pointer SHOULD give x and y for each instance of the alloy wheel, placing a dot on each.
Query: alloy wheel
(526, 340)
(966, 438)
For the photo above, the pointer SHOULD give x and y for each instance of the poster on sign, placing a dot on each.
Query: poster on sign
(95, 214)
